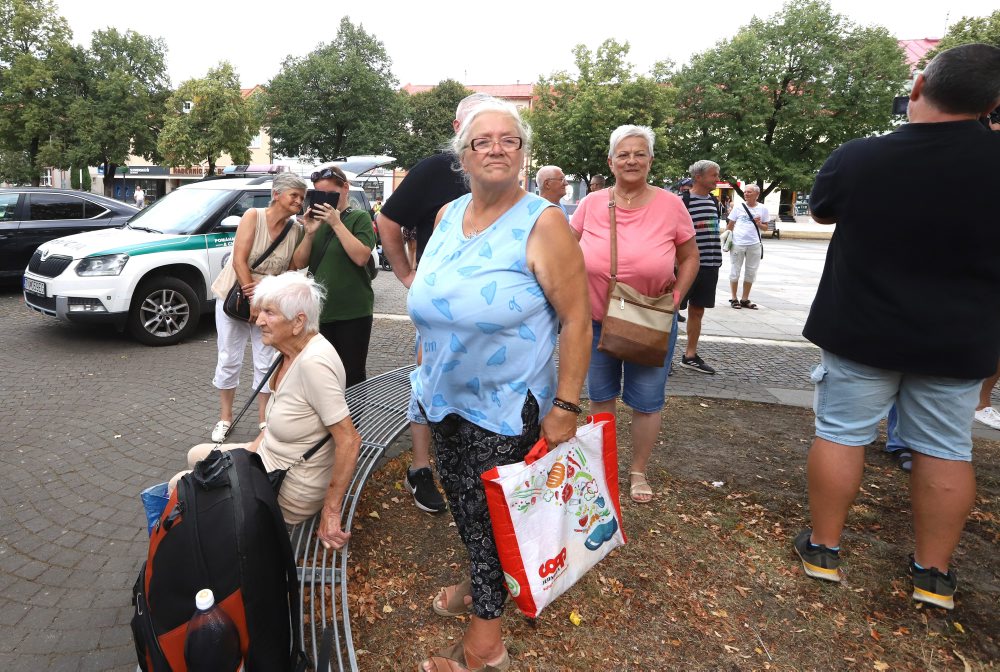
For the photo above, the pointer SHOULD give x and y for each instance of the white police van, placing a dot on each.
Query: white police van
(152, 276)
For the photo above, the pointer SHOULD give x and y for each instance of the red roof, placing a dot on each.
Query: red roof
(246, 92)
(498, 90)
(915, 50)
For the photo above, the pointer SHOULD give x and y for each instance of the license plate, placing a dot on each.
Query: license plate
(34, 286)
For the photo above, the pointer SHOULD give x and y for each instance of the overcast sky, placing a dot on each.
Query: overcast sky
(478, 42)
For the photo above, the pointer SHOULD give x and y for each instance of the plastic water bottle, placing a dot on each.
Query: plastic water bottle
(212, 643)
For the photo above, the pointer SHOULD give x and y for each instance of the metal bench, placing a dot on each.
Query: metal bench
(378, 410)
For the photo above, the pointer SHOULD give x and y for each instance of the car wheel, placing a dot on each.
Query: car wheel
(164, 311)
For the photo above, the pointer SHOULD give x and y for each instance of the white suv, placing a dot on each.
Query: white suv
(153, 275)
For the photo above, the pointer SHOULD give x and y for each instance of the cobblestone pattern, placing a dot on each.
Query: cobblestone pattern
(90, 418)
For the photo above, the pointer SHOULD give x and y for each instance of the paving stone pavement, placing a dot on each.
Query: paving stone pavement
(92, 417)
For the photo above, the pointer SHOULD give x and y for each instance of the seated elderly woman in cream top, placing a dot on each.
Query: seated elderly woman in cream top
(307, 403)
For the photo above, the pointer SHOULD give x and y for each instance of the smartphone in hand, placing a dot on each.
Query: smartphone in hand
(314, 198)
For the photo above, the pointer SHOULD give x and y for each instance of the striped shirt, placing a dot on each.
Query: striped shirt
(705, 215)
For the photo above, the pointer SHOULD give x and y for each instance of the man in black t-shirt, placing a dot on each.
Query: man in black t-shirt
(414, 205)
(905, 313)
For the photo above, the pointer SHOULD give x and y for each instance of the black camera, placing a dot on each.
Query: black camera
(899, 105)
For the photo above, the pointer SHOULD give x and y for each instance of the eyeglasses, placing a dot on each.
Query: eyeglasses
(561, 180)
(625, 156)
(327, 174)
(507, 143)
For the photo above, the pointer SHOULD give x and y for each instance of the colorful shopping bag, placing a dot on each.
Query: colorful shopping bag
(556, 514)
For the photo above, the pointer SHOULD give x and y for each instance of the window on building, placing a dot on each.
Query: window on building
(255, 142)
(188, 106)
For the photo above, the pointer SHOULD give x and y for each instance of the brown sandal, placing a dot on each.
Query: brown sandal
(442, 662)
(454, 605)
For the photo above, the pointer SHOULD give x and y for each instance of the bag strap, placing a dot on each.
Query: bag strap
(260, 386)
(274, 245)
(614, 233)
(755, 228)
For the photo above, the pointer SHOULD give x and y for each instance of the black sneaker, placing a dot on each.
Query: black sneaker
(819, 562)
(933, 587)
(696, 363)
(425, 494)
(681, 318)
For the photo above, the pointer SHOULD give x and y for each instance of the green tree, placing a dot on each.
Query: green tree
(40, 76)
(205, 118)
(968, 30)
(121, 110)
(574, 116)
(338, 100)
(770, 104)
(427, 121)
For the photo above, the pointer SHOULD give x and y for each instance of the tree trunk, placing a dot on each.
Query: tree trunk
(36, 175)
(211, 166)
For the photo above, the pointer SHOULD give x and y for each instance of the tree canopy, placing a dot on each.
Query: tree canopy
(338, 100)
(969, 30)
(771, 103)
(122, 109)
(574, 115)
(217, 121)
(427, 118)
(40, 73)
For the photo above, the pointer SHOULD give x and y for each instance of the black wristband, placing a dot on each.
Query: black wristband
(566, 406)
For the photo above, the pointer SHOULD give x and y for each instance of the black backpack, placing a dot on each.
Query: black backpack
(221, 529)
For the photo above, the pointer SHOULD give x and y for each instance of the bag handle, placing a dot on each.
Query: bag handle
(614, 234)
(541, 447)
(277, 241)
(260, 386)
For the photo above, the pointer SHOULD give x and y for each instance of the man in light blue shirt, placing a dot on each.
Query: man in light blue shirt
(552, 185)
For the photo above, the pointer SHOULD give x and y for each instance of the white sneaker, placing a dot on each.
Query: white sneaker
(219, 432)
(989, 416)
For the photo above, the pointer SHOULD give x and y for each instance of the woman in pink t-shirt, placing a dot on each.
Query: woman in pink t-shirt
(654, 232)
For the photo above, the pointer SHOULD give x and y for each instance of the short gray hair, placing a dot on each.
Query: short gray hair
(467, 104)
(544, 173)
(632, 131)
(751, 187)
(461, 140)
(699, 167)
(291, 293)
(284, 181)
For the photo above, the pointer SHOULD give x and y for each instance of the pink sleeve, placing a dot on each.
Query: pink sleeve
(576, 222)
(685, 227)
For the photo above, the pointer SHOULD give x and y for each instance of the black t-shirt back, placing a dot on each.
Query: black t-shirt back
(912, 273)
(430, 184)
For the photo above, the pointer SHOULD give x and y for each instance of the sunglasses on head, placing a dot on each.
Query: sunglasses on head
(326, 174)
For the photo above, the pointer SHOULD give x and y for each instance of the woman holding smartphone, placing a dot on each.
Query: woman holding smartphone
(337, 246)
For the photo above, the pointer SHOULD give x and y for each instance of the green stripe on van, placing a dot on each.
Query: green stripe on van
(180, 244)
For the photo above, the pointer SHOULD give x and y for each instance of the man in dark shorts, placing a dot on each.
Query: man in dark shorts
(704, 210)
(412, 207)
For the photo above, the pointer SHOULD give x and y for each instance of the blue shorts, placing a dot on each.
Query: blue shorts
(645, 386)
(934, 413)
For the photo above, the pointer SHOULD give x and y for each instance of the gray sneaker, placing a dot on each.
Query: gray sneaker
(933, 587)
(819, 562)
(696, 363)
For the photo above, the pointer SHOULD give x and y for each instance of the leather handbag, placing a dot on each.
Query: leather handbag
(237, 305)
(636, 328)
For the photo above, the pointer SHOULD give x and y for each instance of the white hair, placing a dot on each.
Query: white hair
(544, 173)
(461, 140)
(467, 104)
(291, 293)
(751, 187)
(632, 131)
(699, 167)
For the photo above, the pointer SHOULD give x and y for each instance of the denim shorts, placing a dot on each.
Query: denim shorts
(645, 386)
(934, 413)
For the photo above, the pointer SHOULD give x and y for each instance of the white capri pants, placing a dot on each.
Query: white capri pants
(232, 343)
(749, 253)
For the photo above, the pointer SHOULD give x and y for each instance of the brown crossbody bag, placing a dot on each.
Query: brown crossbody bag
(636, 327)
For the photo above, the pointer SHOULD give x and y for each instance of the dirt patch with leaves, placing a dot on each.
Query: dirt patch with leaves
(708, 579)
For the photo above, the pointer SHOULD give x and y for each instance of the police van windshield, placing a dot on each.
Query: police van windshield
(183, 211)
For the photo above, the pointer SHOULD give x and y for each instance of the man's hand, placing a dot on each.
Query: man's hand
(329, 533)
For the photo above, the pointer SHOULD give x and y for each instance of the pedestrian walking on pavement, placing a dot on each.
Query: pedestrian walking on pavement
(705, 214)
(878, 346)
(653, 229)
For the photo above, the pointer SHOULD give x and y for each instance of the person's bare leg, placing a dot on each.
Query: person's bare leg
(262, 400)
(733, 284)
(421, 435)
(695, 315)
(986, 391)
(645, 429)
(483, 642)
(834, 473)
(226, 404)
(746, 290)
(942, 493)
